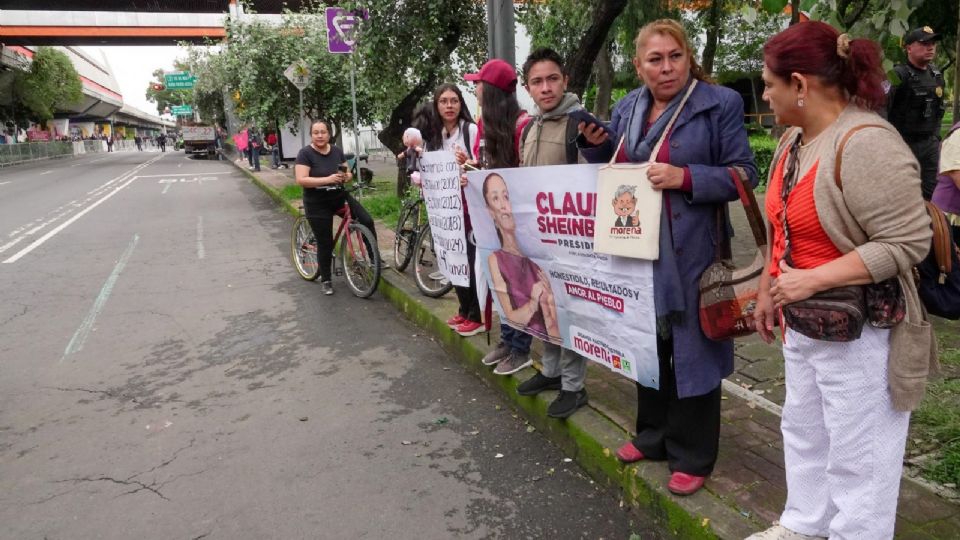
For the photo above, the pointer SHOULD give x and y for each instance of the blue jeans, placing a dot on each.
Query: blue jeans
(255, 158)
(518, 341)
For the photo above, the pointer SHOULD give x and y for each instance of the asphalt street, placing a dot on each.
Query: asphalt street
(164, 373)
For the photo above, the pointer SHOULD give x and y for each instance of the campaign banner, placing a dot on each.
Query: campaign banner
(440, 181)
(534, 229)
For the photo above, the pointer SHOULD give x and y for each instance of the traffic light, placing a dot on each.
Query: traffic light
(158, 86)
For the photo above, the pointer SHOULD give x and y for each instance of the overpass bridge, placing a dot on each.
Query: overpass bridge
(126, 22)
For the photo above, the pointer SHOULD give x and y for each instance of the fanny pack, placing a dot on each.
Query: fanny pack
(838, 314)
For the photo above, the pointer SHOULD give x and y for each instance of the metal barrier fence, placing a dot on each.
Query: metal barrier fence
(11, 154)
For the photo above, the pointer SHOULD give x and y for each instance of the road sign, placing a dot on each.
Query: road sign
(342, 26)
(299, 74)
(181, 80)
(182, 110)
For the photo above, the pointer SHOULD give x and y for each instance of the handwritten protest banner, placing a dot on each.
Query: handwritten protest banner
(440, 177)
(534, 229)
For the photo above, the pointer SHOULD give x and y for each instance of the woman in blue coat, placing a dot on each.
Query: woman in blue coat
(680, 421)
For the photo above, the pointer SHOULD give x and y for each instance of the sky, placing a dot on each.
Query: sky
(133, 68)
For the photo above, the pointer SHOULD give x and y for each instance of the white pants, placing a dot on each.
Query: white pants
(843, 441)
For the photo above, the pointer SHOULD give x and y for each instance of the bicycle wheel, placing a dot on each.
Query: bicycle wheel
(303, 247)
(405, 236)
(360, 263)
(426, 271)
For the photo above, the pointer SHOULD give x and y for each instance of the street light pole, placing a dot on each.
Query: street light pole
(300, 120)
(353, 94)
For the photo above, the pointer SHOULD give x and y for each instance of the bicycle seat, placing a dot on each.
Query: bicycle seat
(342, 211)
(363, 157)
(348, 156)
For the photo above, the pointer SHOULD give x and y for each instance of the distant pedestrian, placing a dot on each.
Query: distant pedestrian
(915, 106)
(162, 141)
(254, 143)
(139, 142)
(110, 143)
(271, 141)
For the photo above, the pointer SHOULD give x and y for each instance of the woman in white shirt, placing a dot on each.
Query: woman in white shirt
(458, 131)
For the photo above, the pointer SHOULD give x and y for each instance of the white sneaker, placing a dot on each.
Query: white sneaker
(779, 532)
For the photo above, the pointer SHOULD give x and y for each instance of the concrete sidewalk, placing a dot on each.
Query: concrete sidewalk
(747, 490)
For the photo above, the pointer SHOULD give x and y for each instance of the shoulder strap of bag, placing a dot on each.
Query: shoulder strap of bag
(843, 142)
(666, 130)
(465, 129)
(754, 217)
(570, 140)
(524, 133)
(942, 243)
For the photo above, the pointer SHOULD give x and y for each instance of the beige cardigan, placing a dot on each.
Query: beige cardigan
(879, 212)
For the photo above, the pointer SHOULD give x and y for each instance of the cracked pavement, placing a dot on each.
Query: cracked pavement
(222, 397)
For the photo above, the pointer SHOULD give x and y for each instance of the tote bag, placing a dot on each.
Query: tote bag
(628, 208)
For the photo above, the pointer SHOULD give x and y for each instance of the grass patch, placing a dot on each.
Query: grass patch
(291, 192)
(383, 203)
(935, 425)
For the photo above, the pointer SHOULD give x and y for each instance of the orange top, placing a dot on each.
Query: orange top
(810, 246)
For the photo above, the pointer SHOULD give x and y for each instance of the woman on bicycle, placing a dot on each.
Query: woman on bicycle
(322, 171)
(458, 131)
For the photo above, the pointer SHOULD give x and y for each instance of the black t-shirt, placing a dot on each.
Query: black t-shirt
(320, 165)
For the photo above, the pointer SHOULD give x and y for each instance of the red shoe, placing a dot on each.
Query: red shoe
(685, 484)
(456, 320)
(469, 328)
(628, 453)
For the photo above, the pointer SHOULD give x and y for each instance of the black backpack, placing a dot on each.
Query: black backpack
(573, 153)
(939, 273)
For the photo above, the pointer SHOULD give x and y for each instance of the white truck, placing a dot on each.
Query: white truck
(199, 140)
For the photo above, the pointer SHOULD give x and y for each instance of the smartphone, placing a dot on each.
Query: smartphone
(581, 115)
(342, 168)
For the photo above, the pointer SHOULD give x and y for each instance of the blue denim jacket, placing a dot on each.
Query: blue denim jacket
(708, 137)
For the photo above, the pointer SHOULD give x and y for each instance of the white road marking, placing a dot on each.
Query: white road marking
(179, 164)
(200, 251)
(45, 172)
(111, 188)
(80, 336)
(168, 175)
(166, 188)
(7, 182)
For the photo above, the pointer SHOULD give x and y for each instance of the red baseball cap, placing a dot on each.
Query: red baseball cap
(496, 72)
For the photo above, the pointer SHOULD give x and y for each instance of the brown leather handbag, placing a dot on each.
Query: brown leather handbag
(728, 295)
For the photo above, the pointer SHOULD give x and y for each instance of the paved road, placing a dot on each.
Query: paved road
(164, 374)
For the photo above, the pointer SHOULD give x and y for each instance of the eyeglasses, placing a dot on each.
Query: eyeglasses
(449, 101)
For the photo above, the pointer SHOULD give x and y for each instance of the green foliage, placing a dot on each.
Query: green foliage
(740, 50)
(763, 147)
(406, 50)
(383, 204)
(50, 82)
(291, 192)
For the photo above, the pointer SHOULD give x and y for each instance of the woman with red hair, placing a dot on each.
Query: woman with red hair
(845, 210)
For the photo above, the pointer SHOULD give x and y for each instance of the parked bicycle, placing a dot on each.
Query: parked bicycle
(356, 253)
(414, 241)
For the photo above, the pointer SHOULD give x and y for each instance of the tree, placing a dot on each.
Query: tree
(565, 26)
(51, 81)
(404, 53)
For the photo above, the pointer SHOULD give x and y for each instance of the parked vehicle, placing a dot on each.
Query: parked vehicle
(199, 139)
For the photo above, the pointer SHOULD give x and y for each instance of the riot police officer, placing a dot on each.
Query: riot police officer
(915, 106)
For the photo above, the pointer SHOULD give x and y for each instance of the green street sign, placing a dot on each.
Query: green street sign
(182, 110)
(179, 81)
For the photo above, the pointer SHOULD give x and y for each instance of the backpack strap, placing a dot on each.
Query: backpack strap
(843, 143)
(570, 139)
(524, 133)
(465, 130)
(942, 242)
